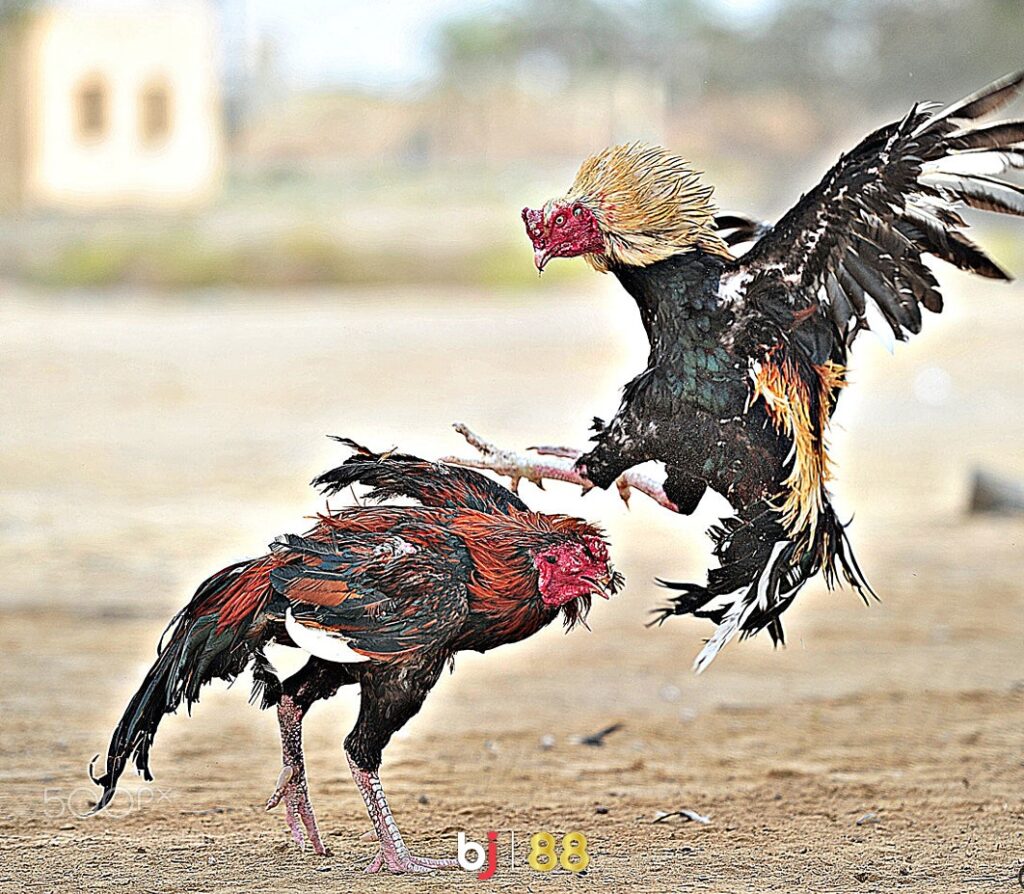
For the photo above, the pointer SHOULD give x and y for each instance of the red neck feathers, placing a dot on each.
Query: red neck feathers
(504, 587)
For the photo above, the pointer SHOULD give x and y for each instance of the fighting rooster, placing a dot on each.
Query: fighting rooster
(380, 596)
(748, 354)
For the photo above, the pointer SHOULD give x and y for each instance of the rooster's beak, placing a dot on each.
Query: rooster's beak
(541, 256)
(604, 585)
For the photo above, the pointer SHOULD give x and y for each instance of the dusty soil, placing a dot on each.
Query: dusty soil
(147, 442)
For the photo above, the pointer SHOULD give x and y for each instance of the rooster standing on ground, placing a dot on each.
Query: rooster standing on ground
(382, 597)
(748, 356)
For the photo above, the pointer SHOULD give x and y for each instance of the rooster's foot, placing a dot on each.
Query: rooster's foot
(517, 466)
(407, 862)
(394, 854)
(291, 788)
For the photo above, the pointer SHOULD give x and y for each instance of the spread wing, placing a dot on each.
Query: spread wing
(383, 595)
(849, 255)
(432, 484)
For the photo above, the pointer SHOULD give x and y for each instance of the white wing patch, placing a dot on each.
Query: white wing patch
(320, 643)
(970, 163)
(733, 285)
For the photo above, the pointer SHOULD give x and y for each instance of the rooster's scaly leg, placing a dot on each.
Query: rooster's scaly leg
(291, 784)
(545, 465)
(394, 854)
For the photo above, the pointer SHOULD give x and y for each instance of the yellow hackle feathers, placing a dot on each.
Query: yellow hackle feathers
(649, 204)
(788, 401)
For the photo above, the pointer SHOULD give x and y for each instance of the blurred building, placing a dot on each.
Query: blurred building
(108, 107)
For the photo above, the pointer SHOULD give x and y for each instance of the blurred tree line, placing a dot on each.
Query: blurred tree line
(10, 8)
(862, 53)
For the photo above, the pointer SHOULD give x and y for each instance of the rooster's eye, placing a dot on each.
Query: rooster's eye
(577, 211)
(560, 220)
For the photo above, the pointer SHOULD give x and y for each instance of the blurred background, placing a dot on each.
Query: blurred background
(245, 142)
(229, 229)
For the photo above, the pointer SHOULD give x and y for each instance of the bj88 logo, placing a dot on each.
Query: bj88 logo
(546, 853)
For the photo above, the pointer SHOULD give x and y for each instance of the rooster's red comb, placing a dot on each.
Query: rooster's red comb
(534, 219)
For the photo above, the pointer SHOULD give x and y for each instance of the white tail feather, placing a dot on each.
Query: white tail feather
(744, 604)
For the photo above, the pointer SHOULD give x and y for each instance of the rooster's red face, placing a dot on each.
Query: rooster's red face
(562, 230)
(575, 568)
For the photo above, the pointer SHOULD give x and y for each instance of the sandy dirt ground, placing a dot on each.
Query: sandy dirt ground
(149, 441)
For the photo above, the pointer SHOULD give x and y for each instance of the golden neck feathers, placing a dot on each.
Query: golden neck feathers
(649, 204)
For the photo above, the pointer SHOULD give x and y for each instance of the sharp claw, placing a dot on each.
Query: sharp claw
(624, 490)
(474, 440)
(282, 783)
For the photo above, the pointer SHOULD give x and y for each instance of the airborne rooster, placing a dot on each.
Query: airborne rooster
(382, 597)
(748, 356)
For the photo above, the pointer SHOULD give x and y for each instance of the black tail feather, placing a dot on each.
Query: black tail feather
(761, 570)
(193, 654)
(133, 735)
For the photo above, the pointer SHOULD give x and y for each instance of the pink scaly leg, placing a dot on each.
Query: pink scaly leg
(394, 854)
(517, 466)
(291, 784)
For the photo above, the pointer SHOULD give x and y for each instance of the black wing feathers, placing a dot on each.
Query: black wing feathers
(988, 99)
(384, 595)
(994, 136)
(854, 245)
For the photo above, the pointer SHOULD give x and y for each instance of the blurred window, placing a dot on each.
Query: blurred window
(91, 110)
(155, 113)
